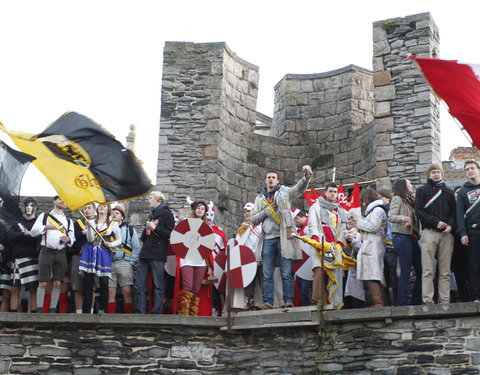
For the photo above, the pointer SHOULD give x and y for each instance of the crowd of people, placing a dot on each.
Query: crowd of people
(405, 247)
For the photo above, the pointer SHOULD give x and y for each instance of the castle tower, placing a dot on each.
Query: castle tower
(209, 98)
(406, 110)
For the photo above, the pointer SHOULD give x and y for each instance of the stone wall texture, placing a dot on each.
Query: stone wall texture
(406, 110)
(423, 340)
(381, 124)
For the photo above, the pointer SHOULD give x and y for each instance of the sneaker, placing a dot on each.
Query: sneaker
(262, 306)
(429, 302)
(288, 305)
(476, 300)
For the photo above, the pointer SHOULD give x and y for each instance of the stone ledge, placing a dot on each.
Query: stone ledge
(287, 318)
(112, 319)
(404, 312)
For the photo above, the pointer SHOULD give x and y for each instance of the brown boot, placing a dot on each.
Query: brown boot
(194, 302)
(376, 293)
(183, 304)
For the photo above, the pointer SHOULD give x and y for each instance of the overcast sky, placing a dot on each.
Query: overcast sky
(104, 58)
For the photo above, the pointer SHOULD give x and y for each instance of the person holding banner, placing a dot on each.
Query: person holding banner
(327, 222)
(435, 207)
(57, 234)
(273, 211)
(77, 280)
(96, 258)
(124, 260)
(468, 221)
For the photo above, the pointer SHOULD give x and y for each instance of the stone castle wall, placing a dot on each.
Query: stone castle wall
(327, 120)
(373, 125)
(438, 339)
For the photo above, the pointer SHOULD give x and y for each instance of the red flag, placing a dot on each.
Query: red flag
(459, 86)
(310, 196)
(353, 202)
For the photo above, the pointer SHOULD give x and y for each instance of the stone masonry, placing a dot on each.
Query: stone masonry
(373, 125)
(406, 110)
(410, 340)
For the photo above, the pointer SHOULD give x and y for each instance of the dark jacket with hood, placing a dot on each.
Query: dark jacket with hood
(155, 244)
(468, 222)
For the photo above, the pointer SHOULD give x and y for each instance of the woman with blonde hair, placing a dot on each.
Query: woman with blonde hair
(96, 258)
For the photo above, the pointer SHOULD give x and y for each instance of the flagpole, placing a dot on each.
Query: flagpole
(96, 231)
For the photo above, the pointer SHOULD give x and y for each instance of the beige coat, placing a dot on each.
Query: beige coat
(370, 256)
(283, 198)
(399, 210)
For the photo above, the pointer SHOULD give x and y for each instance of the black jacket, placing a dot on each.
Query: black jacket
(465, 198)
(155, 244)
(441, 209)
(22, 246)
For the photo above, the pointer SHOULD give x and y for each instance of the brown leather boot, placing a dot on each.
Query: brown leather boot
(376, 293)
(194, 302)
(183, 304)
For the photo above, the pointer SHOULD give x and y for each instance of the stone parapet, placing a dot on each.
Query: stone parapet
(437, 339)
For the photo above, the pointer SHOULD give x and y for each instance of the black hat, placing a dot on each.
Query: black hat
(194, 205)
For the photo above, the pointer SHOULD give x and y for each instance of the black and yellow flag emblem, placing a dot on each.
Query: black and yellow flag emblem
(84, 162)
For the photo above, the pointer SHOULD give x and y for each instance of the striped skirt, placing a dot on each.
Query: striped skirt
(25, 272)
(6, 278)
(97, 260)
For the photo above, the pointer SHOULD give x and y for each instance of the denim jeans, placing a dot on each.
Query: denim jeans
(272, 250)
(305, 287)
(409, 254)
(157, 268)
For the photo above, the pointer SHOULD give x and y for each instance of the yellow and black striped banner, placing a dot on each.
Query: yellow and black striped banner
(84, 162)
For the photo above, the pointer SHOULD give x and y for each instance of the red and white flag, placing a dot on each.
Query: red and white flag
(459, 86)
(351, 204)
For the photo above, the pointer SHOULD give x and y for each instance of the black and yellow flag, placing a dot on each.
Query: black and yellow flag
(12, 168)
(84, 162)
